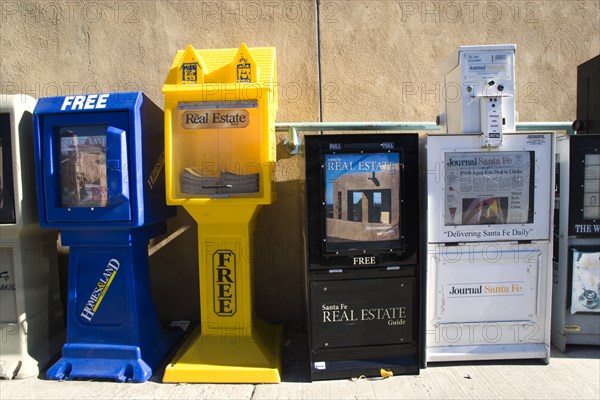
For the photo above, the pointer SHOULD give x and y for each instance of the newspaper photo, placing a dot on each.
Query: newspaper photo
(591, 187)
(484, 188)
(83, 169)
(585, 292)
(362, 198)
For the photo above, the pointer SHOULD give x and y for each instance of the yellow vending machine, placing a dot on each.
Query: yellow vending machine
(220, 108)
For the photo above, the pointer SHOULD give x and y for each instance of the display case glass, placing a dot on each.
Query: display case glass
(584, 185)
(362, 201)
(83, 177)
(591, 187)
(496, 194)
(88, 173)
(218, 149)
(484, 188)
(7, 194)
(585, 283)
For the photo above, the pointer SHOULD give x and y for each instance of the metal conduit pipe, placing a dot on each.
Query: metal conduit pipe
(293, 144)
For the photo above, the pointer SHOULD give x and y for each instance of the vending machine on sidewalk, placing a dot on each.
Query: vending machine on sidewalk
(99, 163)
(363, 272)
(489, 217)
(576, 278)
(220, 107)
(31, 313)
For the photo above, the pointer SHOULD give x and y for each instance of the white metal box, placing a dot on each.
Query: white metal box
(477, 92)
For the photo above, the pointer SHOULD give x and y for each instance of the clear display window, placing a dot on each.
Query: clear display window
(362, 200)
(591, 187)
(1, 176)
(83, 178)
(585, 290)
(7, 190)
(216, 149)
(483, 188)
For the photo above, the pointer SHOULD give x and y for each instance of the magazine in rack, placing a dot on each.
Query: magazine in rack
(585, 291)
(83, 176)
(362, 200)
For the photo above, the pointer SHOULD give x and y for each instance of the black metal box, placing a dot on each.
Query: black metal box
(588, 97)
(363, 275)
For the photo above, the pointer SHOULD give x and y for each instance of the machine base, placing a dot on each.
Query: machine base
(18, 366)
(584, 339)
(489, 352)
(120, 368)
(115, 362)
(343, 369)
(560, 341)
(28, 346)
(229, 358)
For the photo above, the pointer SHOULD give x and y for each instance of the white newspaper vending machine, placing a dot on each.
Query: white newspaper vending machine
(489, 216)
(31, 312)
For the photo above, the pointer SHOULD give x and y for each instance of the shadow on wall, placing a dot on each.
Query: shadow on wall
(279, 256)
(278, 263)
(174, 272)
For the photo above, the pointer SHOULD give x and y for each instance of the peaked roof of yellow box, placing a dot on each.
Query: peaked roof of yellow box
(193, 67)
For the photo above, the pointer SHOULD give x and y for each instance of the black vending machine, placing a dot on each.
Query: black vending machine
(588, 97)
(363, 276)
(576, 277)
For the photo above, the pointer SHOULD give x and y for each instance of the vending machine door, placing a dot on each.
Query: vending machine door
(588, 97)
(584, 263)
(346, 313)
(217, 149)
(7, 194)
(85, 167)
(490, 195)
(488, 294)
(584, 186)
(505, 289)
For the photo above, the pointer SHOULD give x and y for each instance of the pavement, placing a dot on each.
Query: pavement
(574, 374)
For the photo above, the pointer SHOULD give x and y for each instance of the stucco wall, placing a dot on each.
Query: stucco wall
(379, 62)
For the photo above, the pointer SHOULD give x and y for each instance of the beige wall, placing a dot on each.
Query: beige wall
(381, 57)
(379, 62)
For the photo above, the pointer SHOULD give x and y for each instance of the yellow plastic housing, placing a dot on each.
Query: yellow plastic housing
(220, 108)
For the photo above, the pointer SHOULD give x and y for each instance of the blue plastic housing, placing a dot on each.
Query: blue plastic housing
(100, 176)
(134, 160)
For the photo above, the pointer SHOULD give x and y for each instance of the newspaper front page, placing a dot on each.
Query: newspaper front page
(483, 188)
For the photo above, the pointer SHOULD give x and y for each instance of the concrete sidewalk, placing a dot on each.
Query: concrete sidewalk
(571, 375)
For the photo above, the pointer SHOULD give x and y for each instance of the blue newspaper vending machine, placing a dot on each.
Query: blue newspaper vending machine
(99, 166)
